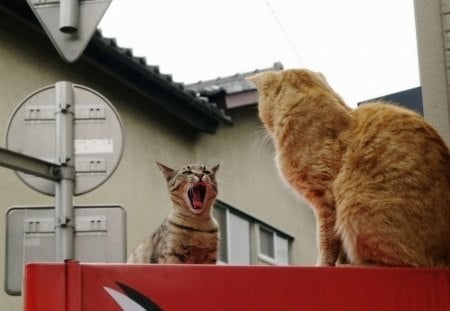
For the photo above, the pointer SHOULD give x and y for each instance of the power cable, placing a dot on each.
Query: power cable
(286, 35)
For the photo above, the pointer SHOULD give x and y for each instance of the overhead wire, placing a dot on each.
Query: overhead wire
(286, 34)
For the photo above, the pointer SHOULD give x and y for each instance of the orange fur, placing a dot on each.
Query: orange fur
(378, 177)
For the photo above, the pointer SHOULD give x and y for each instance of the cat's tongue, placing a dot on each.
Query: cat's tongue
(198, 194)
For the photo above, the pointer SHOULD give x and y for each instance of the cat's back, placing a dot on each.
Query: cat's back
(400, 130)
(383, 117)
(147, 248)
(395, 157)
(392, 192)
(397, 145)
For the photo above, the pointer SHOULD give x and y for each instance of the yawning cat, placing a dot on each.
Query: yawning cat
(189, 234)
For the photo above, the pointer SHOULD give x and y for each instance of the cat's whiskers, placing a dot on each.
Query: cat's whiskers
(261, 141)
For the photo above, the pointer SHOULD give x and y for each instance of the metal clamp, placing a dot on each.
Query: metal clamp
(63, 172)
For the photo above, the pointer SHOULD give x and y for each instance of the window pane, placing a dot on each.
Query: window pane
(220, 214)
(282, 250)
(266, 242)
(238, 240)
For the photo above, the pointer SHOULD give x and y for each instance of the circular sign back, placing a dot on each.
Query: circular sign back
(98, 139)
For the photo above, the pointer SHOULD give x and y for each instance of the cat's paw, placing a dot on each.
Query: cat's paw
(324, 263)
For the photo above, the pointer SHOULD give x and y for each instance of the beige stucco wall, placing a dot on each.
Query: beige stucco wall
(248, 178)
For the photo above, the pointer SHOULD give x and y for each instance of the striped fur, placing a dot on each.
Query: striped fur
(378, 177)
(190, 234)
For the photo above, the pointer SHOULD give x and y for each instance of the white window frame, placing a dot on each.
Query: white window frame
(254, 237)
(266, 258)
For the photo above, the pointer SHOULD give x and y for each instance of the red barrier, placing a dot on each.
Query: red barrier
(93, 287)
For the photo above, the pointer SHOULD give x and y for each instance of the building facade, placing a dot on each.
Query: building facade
(263, 221)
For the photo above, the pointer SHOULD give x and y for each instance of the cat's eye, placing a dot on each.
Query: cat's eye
(206, 172)
(187, 173)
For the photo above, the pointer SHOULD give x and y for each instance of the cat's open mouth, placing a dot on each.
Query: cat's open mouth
(197, 195)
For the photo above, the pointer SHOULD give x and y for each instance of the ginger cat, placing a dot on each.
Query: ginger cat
(189, 234)
(378, 177)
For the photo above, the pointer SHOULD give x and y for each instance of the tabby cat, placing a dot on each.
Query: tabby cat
(190, 233)
(378, 177)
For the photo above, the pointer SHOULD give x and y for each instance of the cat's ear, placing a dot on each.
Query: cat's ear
(166, 171)
(215, 168)
(257, 79)
(323, 79)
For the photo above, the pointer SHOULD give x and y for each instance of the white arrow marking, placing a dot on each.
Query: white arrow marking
(123, 301)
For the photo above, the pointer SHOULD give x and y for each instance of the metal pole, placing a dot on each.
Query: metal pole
(29, 165)
(64, 211)
(68, 16)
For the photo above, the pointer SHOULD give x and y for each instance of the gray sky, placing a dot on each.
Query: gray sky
(365, 48)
